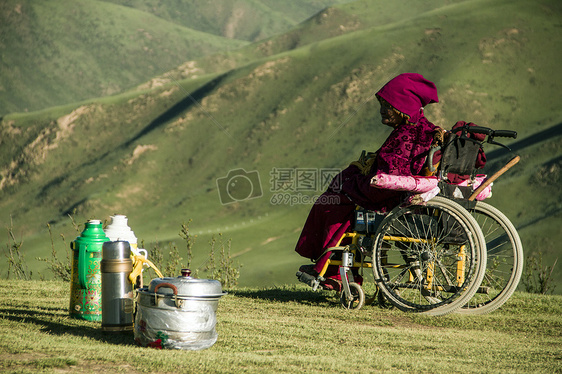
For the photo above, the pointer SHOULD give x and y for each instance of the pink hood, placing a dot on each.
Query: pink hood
(409, 93)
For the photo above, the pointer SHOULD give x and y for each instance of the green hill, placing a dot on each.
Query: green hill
(161, 154)
(53, 53)
(58, 52)
(250, 20)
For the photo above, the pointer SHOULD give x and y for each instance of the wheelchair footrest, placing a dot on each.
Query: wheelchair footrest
(310, 280)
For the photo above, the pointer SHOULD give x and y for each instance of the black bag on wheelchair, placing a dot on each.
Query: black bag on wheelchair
(459, 155)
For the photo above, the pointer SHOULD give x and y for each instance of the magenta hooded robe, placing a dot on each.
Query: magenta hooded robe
(403, 153)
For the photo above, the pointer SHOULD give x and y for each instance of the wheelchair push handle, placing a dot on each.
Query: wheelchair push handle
(490, 133)
(479, 130)
(505, 134)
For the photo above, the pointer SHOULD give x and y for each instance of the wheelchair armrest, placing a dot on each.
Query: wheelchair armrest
(416, 184)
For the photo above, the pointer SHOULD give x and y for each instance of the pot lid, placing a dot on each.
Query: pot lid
(186, 285)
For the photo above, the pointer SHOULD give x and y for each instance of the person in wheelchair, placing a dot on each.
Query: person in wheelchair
(404, 152)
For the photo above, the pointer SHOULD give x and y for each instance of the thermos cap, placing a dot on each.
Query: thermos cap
(116, 250)
(119, 230)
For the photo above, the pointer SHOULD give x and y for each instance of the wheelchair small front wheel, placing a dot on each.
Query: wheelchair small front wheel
(357, 299)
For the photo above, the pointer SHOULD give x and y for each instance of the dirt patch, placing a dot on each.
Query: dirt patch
(168, 92)
(66, 123)
(154, 83)
(138, 151)
(268, 69)
(37, 151)
(269, 240)
(246, 250)
(186, 70)
(506, 43)
(189, 69)
(9, 129)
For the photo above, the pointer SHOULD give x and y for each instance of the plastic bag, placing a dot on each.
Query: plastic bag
(192, 328)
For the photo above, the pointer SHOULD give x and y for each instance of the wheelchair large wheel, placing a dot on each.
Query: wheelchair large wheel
(429, 258)
(504, 260)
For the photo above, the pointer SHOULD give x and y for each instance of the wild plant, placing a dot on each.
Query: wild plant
(537, 277)
(224, 269)
(16, 259)
(61, 269)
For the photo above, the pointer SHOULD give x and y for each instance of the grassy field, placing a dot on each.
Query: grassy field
(299, 100)
(286, 329)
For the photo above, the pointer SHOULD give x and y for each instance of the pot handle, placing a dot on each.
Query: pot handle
(168, 285)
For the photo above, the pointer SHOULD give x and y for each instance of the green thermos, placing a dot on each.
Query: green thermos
(85, 283)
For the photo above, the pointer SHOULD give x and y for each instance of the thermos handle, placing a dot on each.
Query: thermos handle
(82, 268)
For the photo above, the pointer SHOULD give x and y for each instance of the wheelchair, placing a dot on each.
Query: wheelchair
(448, 254)
(504, 249)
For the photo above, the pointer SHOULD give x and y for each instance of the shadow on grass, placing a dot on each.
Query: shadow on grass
(308, 297)
(47, 318)
(498, 157)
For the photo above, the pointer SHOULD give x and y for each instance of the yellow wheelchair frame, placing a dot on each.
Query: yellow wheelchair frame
(441, 285)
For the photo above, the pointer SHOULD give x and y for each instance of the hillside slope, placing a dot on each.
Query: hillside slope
(55, 53)
(250, 20)
(163, 155)
(328, 23)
